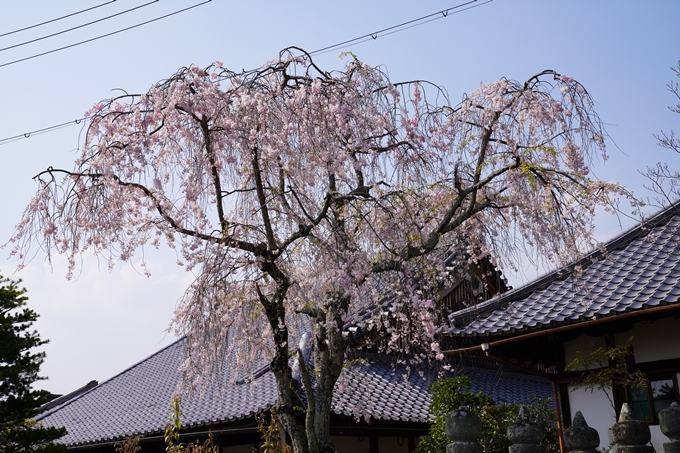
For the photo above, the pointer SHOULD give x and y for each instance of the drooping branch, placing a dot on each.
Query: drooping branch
(242, 245)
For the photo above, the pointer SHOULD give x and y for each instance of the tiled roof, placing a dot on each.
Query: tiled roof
(638, 270)
(138, 400)
(509, 388)
(386, 390)
(390, 392)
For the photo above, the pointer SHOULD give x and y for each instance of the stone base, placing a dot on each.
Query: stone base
(464, 447)
(671, 447)
(634, 449)
(526, 448)
(585, 451)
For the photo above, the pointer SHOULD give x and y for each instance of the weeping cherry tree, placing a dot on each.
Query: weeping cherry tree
(300, 198)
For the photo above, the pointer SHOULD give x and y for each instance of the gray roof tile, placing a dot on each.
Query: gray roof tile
(137, 401)
(639, 269)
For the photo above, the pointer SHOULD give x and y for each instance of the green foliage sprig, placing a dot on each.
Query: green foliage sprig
(270, 430)
(172, 437)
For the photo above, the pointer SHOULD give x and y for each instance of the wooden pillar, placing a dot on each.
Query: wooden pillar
(374, 446)
(411, 444)
(558, 417)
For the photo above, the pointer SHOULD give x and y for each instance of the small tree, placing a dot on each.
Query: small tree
(305, 199)
(607, 368)
(19, 367)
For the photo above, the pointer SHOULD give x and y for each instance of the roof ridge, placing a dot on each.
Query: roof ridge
(100, 385)
(59, 400)
(641, 229)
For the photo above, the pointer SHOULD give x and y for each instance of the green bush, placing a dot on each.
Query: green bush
(451, 393)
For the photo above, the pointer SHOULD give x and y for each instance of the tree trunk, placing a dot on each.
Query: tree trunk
(276, 315)
(284, 405)
(329, 354)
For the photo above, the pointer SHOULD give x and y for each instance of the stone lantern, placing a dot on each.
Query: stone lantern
(669, 422)
(463, 427)
(631, 435)
(581, 438)
(525, 434)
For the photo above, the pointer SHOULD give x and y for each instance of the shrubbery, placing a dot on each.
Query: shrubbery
(451, 393)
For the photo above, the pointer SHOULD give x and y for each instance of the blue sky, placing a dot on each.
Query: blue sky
(105, 321)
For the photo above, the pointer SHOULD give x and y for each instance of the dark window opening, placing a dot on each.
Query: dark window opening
(647, 400)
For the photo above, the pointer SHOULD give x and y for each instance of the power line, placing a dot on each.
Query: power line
(44, 130)
(104, 35)
(403, 26)
(369, 37)
(58, 18)
(79, 26)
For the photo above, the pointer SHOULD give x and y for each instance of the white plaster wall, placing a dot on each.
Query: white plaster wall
(596, 409)
(582, 347)
(658, 438)
(658, 340)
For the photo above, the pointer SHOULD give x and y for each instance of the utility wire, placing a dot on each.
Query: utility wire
(4, 141)
(54, 20)
(369, 37)
(78, 26)
(402, 27)
(104, 35)
(396, 28)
